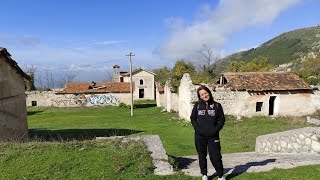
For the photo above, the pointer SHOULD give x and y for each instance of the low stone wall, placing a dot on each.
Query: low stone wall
(52, 99)
(304, 140)
(311, 120)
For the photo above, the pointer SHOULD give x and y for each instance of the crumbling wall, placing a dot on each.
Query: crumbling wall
(51, 99)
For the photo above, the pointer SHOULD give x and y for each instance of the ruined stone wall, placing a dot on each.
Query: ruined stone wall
(13, 113)
(51, 99)
(243, 103)
(187, 97)
(233, 102)
(174, 102)
(167, 96)
(159, 97)
(161, 100)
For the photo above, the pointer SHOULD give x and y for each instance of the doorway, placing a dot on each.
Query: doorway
(271, 105)
(141, 93)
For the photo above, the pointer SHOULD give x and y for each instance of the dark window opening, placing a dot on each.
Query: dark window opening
(141, 81)
(141, 93)
(33, 103)
(121, 79)
(259, 106)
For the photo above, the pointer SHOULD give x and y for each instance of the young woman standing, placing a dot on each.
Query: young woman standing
(207, 119)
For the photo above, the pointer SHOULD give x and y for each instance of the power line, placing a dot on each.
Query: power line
(78, 66)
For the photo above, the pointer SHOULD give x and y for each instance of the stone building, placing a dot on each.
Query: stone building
(143, 79)
(265, 93)
(13, 113)
(247, 94)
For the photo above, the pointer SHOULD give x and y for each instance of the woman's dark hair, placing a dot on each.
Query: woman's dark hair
(202, 87)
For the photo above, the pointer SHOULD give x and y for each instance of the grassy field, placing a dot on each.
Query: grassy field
(62, 145)
(176, 134)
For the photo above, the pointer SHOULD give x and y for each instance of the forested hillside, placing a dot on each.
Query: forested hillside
(288, 50)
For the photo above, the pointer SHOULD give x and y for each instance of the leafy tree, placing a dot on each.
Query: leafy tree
(178, 70)
(235, 66)
(310, 71)
(182, 67)
(162, 74)
(259, 64)
(312, 66)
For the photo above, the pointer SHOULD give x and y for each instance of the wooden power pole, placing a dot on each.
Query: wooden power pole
(131, 91)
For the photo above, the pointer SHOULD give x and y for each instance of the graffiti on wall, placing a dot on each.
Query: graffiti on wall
(103, 100)
(66, 101)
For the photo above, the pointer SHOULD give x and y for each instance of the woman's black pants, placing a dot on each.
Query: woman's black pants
(203, 144)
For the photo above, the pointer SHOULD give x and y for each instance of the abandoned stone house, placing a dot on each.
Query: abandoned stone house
(13, 113)
(247, 94)
(143, 79)
(266, 93)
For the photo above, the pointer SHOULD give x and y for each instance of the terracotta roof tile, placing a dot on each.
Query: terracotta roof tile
(264, 81)
(100, 87)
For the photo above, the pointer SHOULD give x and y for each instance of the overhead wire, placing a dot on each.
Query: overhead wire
(79, 66)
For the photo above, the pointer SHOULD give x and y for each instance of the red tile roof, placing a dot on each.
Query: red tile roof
(100, 87)
(264, 81)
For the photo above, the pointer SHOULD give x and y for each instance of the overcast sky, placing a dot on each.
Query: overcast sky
(89, 37)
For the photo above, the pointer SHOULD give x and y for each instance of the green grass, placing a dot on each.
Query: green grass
(105, 159)
(61, 145)
(176, 134)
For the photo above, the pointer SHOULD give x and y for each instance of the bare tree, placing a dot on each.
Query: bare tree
(208, 55)
(68, 77)
(49, 80)
(30, 70)
(108, 76)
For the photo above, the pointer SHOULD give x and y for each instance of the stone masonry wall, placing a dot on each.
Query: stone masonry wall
(175, 102)
(304, 140)
(231, 101)
(51, 99)
(187, 96)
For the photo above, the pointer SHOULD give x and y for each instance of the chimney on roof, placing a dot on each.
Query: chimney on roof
(116, 73)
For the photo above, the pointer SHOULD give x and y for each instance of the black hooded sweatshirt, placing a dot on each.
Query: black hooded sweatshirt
(207, 120)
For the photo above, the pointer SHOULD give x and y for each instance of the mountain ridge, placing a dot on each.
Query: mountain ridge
(286, 50)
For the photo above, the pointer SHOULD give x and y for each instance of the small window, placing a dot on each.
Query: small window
(121, 79)
(141, 81)
(33, 103)
(259, 106)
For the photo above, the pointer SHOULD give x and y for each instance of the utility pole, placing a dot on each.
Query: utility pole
(130, 55)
